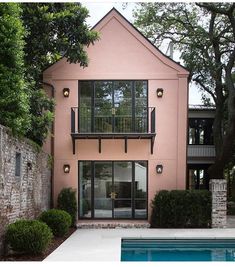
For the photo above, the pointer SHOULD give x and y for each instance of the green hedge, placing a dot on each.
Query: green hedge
(28, 236)
(67, 201)
(58, 220)
(181, 209)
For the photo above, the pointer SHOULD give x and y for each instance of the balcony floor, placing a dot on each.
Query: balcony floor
(113, 135)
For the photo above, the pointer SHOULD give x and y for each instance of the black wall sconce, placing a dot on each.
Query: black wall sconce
(66, 92)
(66, 168)
(159, 168)
(159, 92)
(29, 166)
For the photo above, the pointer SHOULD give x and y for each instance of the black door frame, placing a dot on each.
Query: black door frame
(198, 166)
(132, 190)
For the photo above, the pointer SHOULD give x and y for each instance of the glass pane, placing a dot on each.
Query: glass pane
(103, 106)
(122, 189)
(141, 90)
(201, 136)
(141, 114)
(122, 179)
(192, 136)
(192, 179)
(123, 106)
(102, 190)
(202, 179)
(208, 138)
(140, 209)
(122, 209)
(140, 180)
(85, 189)
(85, 106)
(200, 131)
(140, 189)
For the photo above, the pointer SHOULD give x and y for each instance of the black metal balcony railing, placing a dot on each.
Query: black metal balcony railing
(112, 120)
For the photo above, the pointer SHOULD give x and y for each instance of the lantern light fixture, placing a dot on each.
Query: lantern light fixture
(66, 92)
(66, 168)
(159, 92)
(159, 168)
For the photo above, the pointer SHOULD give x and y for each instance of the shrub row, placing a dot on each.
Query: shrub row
(181, 208)
(67, 201)
(33, 236)
(58, 220)
(29, 236)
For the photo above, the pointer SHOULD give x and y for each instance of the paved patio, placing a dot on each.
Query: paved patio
(105, 244)
(230, 221)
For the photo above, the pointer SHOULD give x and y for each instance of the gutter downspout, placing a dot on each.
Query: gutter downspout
(52, 147)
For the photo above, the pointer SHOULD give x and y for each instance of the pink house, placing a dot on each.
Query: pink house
(120, 128)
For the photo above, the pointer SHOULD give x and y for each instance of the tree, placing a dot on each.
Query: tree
(205, 35)
(54, 30)
(14, 104)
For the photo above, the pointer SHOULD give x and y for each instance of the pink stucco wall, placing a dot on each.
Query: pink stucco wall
(122, 53)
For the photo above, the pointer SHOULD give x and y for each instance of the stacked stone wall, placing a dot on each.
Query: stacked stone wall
(218, 189)
(27, 194)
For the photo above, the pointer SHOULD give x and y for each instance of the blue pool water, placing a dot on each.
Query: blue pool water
(178, 250)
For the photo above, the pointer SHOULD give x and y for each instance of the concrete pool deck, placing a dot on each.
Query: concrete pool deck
(105, 244)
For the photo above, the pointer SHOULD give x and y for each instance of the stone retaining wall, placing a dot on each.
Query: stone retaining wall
(27, 194)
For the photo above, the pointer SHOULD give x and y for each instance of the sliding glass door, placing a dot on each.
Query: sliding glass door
(113, 189)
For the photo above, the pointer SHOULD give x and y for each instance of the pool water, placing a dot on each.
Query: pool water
(178, 250)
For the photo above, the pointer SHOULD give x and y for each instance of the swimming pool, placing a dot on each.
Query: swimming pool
(177, 249)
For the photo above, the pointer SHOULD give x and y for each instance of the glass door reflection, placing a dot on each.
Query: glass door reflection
(103, 204)
(122, 95)
(122, 185)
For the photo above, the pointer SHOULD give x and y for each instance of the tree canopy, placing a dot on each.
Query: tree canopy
(53, 31)
(14, 101)
(204, 33)
(33, 36)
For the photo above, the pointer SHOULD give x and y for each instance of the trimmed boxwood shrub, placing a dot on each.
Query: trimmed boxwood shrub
(181, 209)
(28, 236)
(58, 220)
(67, 201)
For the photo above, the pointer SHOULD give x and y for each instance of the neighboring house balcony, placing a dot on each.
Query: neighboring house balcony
(201, 149)
(200, 140)
(201, 153)
(121, 122)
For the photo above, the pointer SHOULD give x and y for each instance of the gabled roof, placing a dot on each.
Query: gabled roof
(138, 35)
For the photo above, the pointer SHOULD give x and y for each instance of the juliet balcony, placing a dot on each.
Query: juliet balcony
(113, 123)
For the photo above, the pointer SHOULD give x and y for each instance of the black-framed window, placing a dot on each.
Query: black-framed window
(198, 177)
(113, 189)
(200, 131)
(119, 106)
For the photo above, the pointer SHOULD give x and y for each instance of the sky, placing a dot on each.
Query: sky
(98, 10)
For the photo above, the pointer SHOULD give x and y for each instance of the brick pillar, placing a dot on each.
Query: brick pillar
(218, 188)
